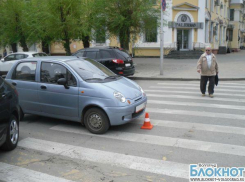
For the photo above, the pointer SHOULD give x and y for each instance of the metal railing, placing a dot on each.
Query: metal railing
(199, 46)
(170, 47)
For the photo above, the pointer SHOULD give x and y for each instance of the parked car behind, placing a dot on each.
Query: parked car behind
(9, 116)
(7, 62)
(117, 60)
(77, 89)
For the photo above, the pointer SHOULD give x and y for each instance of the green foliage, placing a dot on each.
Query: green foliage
(13, 22)
(128, 17)
(48, 21)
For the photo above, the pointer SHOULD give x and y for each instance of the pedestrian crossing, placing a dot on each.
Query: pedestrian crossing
(188, 128)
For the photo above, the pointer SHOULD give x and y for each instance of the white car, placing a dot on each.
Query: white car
(7, 62)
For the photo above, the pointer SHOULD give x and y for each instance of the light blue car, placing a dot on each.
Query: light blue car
(76, 89)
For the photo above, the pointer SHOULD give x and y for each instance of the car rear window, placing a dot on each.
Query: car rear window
(121, 54)
(39, 54)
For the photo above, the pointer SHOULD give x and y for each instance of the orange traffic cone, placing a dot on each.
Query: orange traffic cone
(147, 124)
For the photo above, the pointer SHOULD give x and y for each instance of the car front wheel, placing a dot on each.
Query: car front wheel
(96, 121)
(12, 134)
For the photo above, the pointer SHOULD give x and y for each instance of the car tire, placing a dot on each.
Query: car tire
(96, 121)
(12, 134)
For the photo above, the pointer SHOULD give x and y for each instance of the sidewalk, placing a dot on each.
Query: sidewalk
(231, 67)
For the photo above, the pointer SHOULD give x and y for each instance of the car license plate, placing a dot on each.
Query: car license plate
(140, 107)
(128, 64)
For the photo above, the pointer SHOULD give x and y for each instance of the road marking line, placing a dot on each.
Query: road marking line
(195, 126)
(162, 141)
(196, 88)
(195, 93)
(14, 173)
(193, 104)
(196, 113)
(121, 160)
(189, 84)
(195, 97)
(198, 83)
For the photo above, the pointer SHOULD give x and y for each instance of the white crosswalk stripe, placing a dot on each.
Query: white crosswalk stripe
(115, 159)
(197, 126)
(196, 113)
(193, 104)
(165, 141)
(192, 93)
(196, 85)
(195, 97)
(14, 173)
(195, 88)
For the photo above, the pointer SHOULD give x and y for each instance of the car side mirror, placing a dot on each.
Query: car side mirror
(62, 81)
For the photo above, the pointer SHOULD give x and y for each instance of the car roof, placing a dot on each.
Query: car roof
(29, 53)
(53, 58)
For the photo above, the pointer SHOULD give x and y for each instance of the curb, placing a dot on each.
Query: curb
(183, 79)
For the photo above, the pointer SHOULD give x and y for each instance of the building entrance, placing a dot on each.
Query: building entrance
(182, 39)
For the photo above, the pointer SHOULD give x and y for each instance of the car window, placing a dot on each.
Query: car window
(10, 58)
(106, 54)
(91, 54)
(19, 56)
(39, 54)
(80, 53)
(121, 54)
(52, 72)
(25, 71)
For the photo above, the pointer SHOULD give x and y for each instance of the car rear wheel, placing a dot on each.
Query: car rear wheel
(12, 134)
(96, 121)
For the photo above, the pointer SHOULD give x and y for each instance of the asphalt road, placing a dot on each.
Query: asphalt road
(188, 129)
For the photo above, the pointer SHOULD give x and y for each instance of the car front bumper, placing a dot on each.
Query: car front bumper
(122, 115)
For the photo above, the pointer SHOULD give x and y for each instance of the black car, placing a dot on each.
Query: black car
(114, 58)
(9, 116)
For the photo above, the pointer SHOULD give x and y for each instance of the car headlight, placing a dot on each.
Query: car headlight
(119, 96)
(142, 91)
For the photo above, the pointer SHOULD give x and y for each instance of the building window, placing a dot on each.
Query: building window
(231, 35)
(212, 5)
(151, 33)
(232, 14)
(212, 32)
(207, 32)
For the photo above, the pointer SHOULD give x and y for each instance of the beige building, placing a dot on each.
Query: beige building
(236, 25)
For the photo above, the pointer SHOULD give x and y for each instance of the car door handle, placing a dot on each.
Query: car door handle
(43, 87)
(3, 96)
(13, 83)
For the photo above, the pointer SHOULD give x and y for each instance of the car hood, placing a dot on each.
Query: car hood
(125, 86)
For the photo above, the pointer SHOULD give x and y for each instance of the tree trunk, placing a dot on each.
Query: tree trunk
(85, 40)
(23, 44)
(45, 47)
(66, 45)
(124, 37)
(14, 47)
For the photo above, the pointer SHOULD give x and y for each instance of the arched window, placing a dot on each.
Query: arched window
(184, 19)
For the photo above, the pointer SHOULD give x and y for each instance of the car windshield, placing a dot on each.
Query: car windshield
(91, 71)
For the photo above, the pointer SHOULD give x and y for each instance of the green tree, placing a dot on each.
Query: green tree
(63, 21)
(127, 18)
(13, 23)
